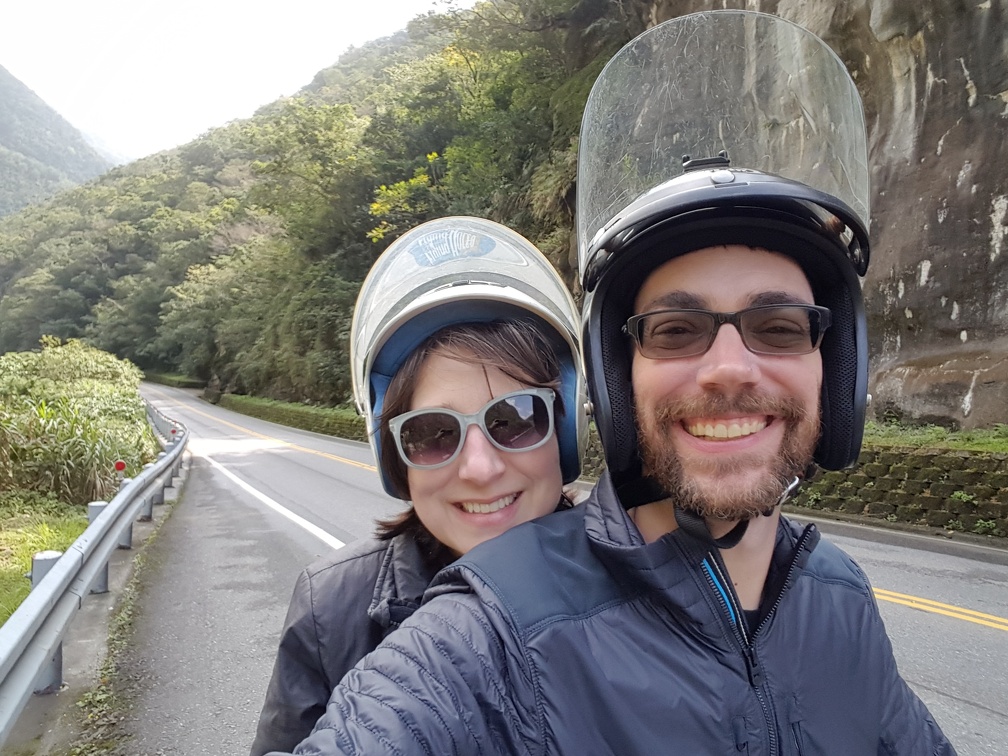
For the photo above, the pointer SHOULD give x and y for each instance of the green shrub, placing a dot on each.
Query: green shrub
(175, 381)
(67, 413)
(987, 527)
(993, 439)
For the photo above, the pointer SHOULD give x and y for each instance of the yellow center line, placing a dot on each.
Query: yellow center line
(249, 431)
(947, 610)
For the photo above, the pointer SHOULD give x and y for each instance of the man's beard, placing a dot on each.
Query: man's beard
(725, 500)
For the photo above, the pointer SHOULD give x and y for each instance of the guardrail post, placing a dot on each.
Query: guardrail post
(177, 467)
(147, 508)
(158, 496)
(126, 537)
(100, 584)
(50, 677)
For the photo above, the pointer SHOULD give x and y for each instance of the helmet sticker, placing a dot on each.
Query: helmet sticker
(446, 245)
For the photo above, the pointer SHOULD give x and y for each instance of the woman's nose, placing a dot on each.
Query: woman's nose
(479, 459)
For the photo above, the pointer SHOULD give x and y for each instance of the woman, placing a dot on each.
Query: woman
(465, 365)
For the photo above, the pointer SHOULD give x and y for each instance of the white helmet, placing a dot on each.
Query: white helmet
(462, 270)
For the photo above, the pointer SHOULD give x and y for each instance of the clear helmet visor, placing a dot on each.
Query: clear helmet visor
(770, 94)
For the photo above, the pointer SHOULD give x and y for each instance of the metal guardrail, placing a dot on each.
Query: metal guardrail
(31, 639)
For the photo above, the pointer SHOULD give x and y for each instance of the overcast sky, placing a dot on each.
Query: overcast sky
(140, 76)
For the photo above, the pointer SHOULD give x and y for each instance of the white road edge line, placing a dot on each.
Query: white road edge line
(315, 530)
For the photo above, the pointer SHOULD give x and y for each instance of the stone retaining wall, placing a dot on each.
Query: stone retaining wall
(955, 490)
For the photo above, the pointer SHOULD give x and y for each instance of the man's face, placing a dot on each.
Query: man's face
(727, 430)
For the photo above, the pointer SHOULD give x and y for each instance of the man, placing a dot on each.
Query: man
(676, 611)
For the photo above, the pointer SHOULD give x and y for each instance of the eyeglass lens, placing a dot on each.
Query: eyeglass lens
(783, 329)
(512, 423)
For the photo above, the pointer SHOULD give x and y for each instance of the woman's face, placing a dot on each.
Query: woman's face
(483, 491)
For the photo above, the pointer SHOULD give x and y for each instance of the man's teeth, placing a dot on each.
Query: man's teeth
(726, 430)
(493, 506)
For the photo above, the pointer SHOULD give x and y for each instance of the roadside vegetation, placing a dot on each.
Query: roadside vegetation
(67, 413)
(342, 422)
(990, 440)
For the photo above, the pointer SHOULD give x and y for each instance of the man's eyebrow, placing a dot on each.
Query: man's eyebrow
(675, 299)
(776, 297)
(688, 301)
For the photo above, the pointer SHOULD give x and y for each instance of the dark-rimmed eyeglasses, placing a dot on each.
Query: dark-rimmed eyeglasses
(519, 421)
(767, 329)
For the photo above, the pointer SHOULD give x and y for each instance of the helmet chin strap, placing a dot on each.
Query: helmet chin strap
(696, 526)
(786, 494)
(645, 490)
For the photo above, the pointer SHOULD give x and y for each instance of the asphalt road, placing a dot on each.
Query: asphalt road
(222, 568)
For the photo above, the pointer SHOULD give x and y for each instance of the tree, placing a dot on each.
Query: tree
(311, 160)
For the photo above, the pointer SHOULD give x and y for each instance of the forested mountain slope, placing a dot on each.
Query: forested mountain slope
(237, 257)
(40, 153)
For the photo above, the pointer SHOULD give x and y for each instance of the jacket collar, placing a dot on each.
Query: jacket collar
(402, 578)
(671, 564)
(616, 540)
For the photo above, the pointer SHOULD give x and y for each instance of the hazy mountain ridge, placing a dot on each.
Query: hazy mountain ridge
(41, 153)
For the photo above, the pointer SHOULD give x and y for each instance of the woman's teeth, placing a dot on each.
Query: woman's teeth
(493, 506)
(726, 430)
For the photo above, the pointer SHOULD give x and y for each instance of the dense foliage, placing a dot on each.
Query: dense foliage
(236, 259)
(67, 413)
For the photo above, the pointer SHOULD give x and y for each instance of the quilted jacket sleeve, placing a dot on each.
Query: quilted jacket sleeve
(446, 682)
(298, 688)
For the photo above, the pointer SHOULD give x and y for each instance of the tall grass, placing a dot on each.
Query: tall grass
(67, 413)
(53, 447)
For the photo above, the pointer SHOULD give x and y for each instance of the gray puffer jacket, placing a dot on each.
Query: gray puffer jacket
(341, 609)
(570, 635)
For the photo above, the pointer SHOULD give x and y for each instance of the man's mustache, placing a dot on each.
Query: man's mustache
(675, 409)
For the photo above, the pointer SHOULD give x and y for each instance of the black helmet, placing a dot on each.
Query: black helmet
(723, 127)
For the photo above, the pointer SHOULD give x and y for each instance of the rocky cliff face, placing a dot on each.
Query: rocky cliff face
(933, 75)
